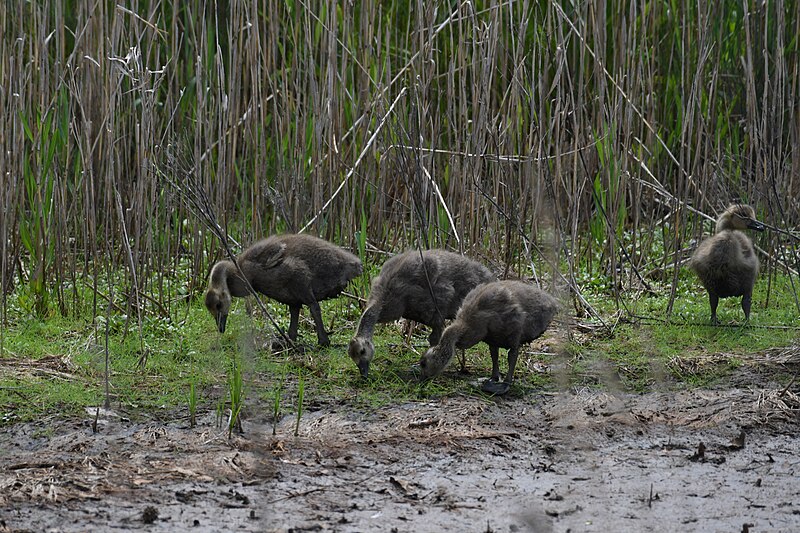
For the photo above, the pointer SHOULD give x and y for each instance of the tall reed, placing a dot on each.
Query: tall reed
(537, 135)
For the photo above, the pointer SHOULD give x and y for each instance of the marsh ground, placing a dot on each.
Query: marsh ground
(700, 459)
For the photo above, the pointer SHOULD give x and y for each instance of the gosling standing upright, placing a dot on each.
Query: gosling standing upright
(427, 287)
(726, 263)
(293, 269)
(503, 314)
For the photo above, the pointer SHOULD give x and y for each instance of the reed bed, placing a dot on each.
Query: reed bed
(543, 137)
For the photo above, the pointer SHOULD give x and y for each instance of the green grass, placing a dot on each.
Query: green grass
(75, 347)
(643, 352)
(648, 350)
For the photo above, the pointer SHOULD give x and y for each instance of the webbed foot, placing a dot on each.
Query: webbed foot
(498, 388)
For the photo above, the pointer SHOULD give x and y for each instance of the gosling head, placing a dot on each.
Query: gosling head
(361, 351)
(218, 303)
(739, 217)
(433, 362)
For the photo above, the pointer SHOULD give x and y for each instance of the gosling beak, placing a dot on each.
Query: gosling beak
(363, 367)
(420, 369)
(222, 318)
(755, 225)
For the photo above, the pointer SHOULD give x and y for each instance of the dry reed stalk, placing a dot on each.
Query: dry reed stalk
(545, 137)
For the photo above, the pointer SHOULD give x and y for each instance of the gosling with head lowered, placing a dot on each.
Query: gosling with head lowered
(293, 269)
(503, 314)
(726, 263)
(424, 286)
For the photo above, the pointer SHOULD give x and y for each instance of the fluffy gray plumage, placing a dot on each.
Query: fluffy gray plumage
(503, 314)
(293, 269)
(427, 287)
(726, 263)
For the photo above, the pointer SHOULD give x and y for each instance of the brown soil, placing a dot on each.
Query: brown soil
(695, 460)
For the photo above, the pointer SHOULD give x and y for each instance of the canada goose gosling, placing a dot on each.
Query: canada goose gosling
(503, 314)
(426, 287)
(293, 269)
(726, 263)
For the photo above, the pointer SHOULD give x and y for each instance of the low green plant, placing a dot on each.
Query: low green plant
(192, 401)
(220, 412)
(277, 394)
(236, 396)
(301, 387)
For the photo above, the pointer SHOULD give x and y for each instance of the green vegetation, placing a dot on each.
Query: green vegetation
(585, 149)
(56, 366)
(648, 350)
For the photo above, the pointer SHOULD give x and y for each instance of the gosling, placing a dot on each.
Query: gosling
(426, 287)
(726, 263)
(503, 314)
(293, 269)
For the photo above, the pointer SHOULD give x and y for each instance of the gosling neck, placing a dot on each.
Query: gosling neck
(225, 275)
(366, 326)
(725, 223)
(452, 337)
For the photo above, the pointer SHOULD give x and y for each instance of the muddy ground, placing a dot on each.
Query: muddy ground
(725, 459)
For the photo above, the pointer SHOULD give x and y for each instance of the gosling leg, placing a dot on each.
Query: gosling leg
(279, 343)
(746, 301)
(513, 355)
(713, 299)
(294, 314)
(495, 351)
(495, 386)
(316, 313)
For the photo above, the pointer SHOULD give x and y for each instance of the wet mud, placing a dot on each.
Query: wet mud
(695, 460)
